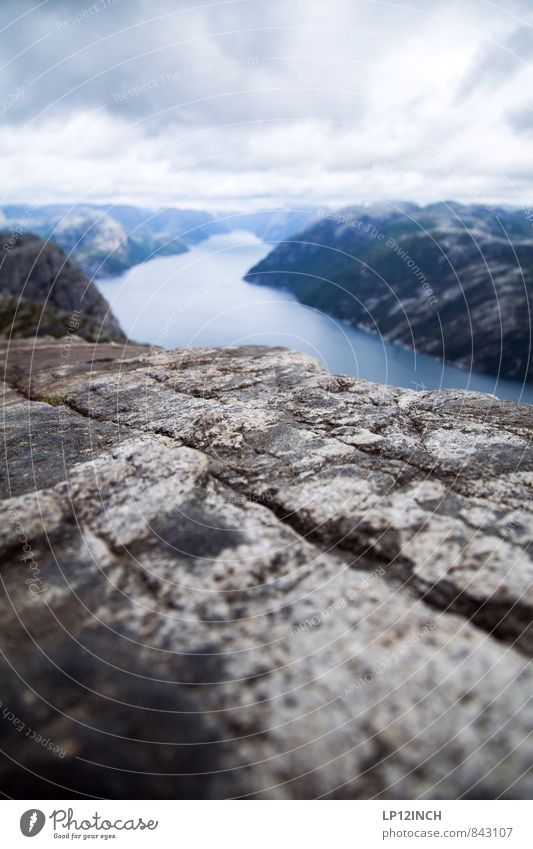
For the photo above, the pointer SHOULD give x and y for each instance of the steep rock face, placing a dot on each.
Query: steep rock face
(38, 272)
(448, 280)
(247, 577)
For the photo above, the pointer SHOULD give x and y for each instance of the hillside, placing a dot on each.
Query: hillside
(44, 293)
(107, 240)
(448, 280)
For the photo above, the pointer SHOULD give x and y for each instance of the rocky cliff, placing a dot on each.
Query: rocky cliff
(227, 573)
(43, 293)
(448, 280)
(107, 240)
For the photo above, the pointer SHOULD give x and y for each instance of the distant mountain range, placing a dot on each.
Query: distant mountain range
(449, 280)
(105, 241)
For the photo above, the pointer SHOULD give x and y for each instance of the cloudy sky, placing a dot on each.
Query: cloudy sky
(266, 102)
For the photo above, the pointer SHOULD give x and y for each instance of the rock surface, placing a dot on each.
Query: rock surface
(244, 577)
(43, 293)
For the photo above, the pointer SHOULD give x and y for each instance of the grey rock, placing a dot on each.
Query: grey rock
(256, 579)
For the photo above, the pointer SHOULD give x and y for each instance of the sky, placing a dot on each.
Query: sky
(265, 103)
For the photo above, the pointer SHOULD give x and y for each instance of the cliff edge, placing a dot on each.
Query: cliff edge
(227, 573)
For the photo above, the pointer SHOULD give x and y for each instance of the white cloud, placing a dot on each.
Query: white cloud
(249, 102)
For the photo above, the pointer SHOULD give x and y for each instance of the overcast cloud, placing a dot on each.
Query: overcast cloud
(255, 102)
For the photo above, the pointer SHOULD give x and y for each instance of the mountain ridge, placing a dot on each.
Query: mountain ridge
(108, 240)
(43, 293)
(283, 583)
(455, 283)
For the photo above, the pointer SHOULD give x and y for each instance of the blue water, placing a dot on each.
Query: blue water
(200, 299)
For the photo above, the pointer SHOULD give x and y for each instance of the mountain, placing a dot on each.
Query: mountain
(227, 573)
(107, 240)
(449, 280)
(44, 293)
(273, 225)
